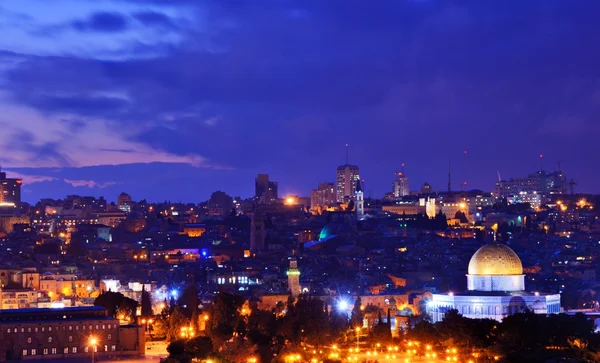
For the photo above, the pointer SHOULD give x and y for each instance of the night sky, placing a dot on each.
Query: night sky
(172, 100)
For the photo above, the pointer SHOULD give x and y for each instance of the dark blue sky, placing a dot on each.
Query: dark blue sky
(176, 99)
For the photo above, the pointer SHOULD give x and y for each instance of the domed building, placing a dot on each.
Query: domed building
(495, 289)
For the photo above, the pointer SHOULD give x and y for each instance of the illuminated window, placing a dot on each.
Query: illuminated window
(53, 350)
(66, 351)
(34, 351)
(74, 350)
(109, 336)
(49, 339)
(29, 340)
(70, 339)
(45, 351)
(24, 352)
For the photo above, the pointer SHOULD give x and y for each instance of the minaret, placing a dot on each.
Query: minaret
(293, 275)
(359, 201)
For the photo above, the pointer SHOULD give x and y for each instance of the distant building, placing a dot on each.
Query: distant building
(124, 202)
(258, 233)
(60, 334)
(323, 196)
(537, 183)
(426, 189)
(400, 185)
(359, 201)
(346, 178)
(10, 192)
(294, 277)
(266, 191)
(219, 204)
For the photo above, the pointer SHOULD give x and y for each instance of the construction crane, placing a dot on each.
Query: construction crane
(560, 162)
(572, 184)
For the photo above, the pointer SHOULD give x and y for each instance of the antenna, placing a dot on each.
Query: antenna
(346, 154)
(541, 162)
(560, 162)
(499, 178)
(464, 184)
(403, 167)
(449, 179)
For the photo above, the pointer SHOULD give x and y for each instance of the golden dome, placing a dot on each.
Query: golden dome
(495, 259)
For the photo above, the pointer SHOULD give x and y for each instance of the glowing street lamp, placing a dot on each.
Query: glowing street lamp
(93, 344)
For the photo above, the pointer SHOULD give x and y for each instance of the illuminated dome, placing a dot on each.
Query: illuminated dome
(495, 259)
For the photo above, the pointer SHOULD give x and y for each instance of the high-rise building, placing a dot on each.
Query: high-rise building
(537, 183)
(265, 190)
(346, 178)
(124, 202)
(323, 196)
(10, 192)
(400, 185)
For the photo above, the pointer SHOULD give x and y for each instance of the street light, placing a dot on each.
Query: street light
(93, 344)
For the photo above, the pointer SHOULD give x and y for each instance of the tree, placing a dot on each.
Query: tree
(225, 317)
(160, 328)
(146, 303)
(199, 347)
(356, 319)
(381, 332)
(177, 320)
(116, 302)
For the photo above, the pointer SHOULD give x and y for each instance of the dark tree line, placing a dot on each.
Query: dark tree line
(523, 337)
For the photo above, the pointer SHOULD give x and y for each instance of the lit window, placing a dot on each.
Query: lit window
(49, 339)
(45, 351)
(49, 328)
(66, 351)
(29, 340)
(70, 339)
(24, 352)
(74, 350)
(53, 350)
(103, 326)
(33, 351)
(114, 348)
(109, 336)
(70, 328)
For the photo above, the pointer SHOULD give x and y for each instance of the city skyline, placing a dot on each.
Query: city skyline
(206, 95)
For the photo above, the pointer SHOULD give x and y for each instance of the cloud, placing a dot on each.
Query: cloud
(47, 141)
(102, 22)
(153, 18)
(29, 179)
(88, 183)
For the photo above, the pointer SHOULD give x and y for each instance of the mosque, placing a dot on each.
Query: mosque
(495, 289)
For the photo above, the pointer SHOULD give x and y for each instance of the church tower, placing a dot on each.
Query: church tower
(359, 201)
(257, 231)
(294, 277)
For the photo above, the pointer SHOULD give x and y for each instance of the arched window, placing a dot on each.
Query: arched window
(109, 336)
(70, 339)
(49, 339)
(29, 340)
